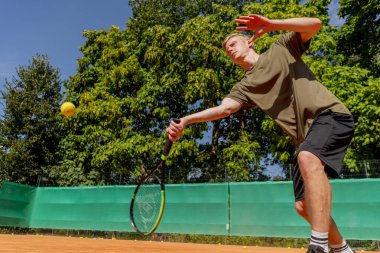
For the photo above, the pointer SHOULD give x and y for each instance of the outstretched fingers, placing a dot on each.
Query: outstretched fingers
(246, 22)
(256, 23)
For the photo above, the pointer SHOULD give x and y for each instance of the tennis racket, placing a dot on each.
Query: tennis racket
(148, 200)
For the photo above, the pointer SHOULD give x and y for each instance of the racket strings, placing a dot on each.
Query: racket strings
(147, 206)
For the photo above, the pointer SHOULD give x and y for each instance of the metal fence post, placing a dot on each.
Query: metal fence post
(365, 168)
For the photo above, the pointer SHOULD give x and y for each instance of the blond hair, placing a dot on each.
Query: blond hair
(246, 37)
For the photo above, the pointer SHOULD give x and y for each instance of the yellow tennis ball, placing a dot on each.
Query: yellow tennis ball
(68, 109)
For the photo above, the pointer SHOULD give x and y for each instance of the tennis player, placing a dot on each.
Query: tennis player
(279, 83)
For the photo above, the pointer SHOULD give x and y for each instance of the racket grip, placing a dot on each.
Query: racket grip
(168, 144)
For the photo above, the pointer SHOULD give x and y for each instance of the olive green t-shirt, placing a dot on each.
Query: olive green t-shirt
(283, 86)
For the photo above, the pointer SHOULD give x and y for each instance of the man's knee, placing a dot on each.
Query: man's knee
(309, 163)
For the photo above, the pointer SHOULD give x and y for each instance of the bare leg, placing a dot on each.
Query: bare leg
(317, 191)
(334, 235)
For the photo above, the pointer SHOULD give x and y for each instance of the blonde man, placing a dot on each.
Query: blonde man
(279, 83)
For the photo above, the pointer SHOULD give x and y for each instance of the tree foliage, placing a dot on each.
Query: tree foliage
(169, 63)
(29, 127)
(173, 13)
(359, 37)
(129, 84)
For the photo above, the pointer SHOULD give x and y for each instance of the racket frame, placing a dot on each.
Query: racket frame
(162, 206)
(160, 164)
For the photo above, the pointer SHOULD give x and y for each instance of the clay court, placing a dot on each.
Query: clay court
(60, 244)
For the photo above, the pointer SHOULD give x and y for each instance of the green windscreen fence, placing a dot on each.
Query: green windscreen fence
(356, 208)
(196, 209)
(16, 201)
(265, 209)
(246, 209)
(82, 208)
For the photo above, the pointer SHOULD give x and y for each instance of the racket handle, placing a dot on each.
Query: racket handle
(168, 144)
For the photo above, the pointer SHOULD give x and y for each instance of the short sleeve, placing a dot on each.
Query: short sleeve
(238, 95)
(293, 42)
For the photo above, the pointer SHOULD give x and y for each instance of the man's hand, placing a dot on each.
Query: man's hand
(175, 130)
(256, 23)
(260, 25)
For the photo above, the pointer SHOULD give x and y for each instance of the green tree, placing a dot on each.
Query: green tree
(359, 37)
(29, 132)
(109, 137)
(130, 83)
(365, 106)
(172, 13)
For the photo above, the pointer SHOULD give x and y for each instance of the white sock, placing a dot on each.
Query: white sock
(320, 239)
(341, 248)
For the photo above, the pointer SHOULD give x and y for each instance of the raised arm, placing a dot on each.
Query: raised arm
(225, 109)
(260, 25)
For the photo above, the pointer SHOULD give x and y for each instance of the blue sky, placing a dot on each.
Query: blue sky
(54, 28)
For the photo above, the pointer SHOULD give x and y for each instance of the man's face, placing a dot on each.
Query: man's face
(237, 48)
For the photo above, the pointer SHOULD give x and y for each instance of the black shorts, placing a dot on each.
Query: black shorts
(328, 139)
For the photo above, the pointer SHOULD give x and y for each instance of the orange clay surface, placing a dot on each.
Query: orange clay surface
(60, 244)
